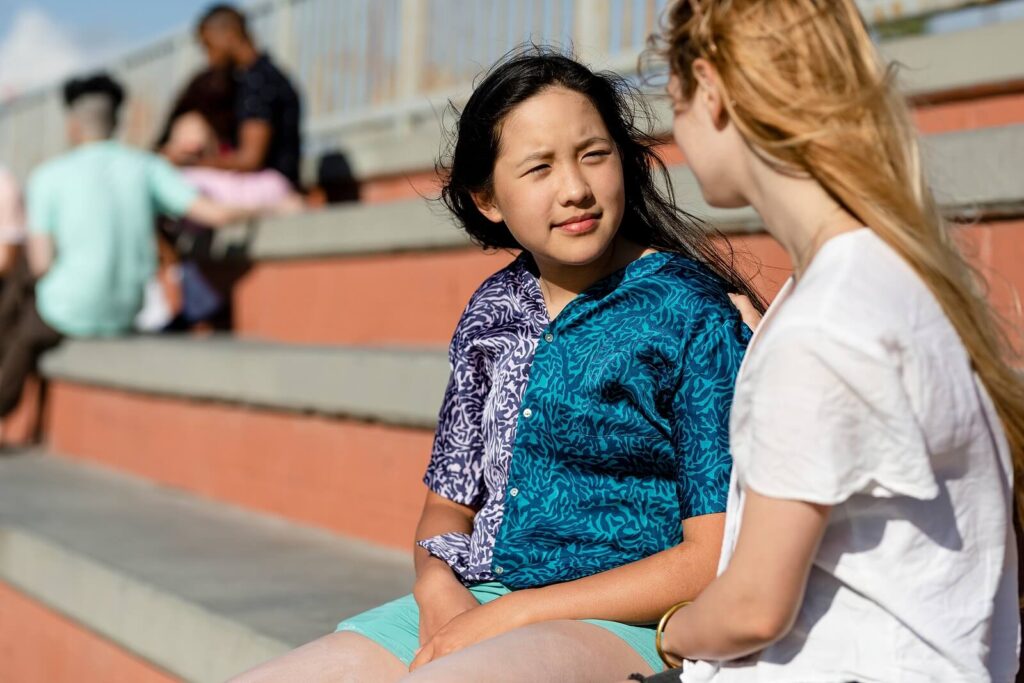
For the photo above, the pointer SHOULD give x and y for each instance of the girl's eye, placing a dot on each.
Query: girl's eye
(538, 168)
(596, 154)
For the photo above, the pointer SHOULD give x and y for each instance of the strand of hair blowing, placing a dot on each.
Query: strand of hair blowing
(806, 88)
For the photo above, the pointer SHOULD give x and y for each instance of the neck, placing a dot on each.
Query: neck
(561, 283)
(246, 55)
(798, 213)
(88, 140)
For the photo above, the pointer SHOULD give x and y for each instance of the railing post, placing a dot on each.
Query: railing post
(591, 30)
(284, 40)
(413, 21)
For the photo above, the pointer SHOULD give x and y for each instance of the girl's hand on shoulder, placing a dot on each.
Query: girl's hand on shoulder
(747, 311)
(441, 597)
(473, 626)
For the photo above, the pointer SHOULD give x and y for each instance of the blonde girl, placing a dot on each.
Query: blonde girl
(877, 422)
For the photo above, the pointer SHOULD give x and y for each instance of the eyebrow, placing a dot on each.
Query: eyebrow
(544, 154)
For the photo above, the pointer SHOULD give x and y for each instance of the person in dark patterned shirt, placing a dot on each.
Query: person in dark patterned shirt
(581, 465)
(267, 106)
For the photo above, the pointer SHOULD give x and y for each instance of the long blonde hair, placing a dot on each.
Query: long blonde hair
(808, 91)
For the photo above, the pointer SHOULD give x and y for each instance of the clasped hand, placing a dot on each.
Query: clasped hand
(470, 626)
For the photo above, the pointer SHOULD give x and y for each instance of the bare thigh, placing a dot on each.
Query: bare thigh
(343, 657)
(551, 652)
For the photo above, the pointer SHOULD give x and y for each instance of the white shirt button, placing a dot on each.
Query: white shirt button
(514, 492)
(549, 337)
(498, 570)
(527, 413)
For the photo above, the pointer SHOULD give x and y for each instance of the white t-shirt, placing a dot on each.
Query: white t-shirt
(857, 393)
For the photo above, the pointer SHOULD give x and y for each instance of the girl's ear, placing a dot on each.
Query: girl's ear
(709, 92)
(485, 205)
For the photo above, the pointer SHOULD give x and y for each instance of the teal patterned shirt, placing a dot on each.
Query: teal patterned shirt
(584, 442)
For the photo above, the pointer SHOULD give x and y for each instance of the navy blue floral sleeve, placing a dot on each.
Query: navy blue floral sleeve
(456, 463)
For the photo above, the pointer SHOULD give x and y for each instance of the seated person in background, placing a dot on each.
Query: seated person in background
(91, 240)
(267, 107)
(14, 283)
(201, 129)
(266, 191)
(12, 220)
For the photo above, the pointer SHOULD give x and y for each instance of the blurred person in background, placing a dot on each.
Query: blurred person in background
(12, 220)
(267, 107)
(91, 240)
(15, 284)
(201, 130)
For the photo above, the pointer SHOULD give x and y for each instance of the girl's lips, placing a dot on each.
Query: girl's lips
(579, 227)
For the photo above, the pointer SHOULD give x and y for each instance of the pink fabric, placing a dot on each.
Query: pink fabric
(261, 190)
(12, 211)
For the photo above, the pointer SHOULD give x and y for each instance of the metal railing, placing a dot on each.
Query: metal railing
(368, 64)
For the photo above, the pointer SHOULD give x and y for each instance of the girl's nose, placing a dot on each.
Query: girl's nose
(575, 188)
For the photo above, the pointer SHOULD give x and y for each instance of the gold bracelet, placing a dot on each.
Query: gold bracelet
(661, 629)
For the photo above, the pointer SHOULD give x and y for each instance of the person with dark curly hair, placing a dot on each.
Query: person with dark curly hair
(268, 111)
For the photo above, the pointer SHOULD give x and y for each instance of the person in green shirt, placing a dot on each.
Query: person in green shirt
(92, 242)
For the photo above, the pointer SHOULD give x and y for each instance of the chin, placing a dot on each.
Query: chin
(581, 251)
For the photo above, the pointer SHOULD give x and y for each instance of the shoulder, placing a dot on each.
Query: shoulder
(263, 72)
(862, 294)
(496, 301)
(123, 156)
(49, 169)
(690, 289)
(47, 175)
(8, 183)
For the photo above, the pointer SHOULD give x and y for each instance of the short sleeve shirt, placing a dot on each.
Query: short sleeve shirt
(584, 442)
(857, 393)
(98, 203)
(266, 94)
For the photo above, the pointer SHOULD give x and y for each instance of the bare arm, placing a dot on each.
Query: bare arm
(8, 252)
(755, 601)
(439, 594)
(39, 251)
(638, 592)
(253, 142)
(216, 215)
(439, 516)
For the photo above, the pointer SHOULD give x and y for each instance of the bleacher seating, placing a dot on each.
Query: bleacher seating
(200, 504)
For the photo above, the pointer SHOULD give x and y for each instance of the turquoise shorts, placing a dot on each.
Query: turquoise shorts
(395, 626)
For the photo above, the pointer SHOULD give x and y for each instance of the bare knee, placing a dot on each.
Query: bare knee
(342, 657)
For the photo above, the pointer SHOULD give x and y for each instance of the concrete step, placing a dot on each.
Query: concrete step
(333, 437)
(189, 589)
(393, 386)
(401, 273)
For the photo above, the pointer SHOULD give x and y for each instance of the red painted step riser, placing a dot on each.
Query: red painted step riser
(416, 299)
(40, 645)
(357, 479)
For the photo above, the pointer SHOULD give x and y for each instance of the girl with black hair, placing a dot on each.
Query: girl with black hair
(581, 465)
